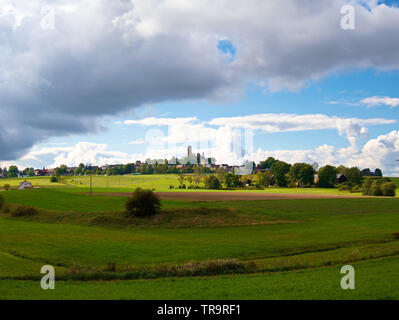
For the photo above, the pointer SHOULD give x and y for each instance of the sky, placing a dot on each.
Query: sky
(106, 82)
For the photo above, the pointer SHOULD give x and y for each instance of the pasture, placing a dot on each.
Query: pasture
(260, 249)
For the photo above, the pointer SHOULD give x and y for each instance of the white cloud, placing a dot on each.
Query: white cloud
(381, 152)
(161, 121)
(104, 57)
(380, 101)
(137, 141)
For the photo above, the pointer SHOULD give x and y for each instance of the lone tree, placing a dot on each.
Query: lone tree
(143, 203)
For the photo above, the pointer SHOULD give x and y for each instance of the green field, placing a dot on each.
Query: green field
(265, 249)
(159, 182)
(374, 280)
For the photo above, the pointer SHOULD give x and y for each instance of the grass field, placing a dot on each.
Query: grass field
(278, 249)
(160, 182)
(374, 280)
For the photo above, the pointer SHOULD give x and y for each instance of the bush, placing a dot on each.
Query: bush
(53, 179)
(143, 203)
(2, 201)
(356, 189)
(171, 187)
(366, 186)
(6, 187)
(388, 189)
(345, 187)
(24, 211)
(375, 189)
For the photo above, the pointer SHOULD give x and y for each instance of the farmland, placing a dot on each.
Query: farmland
(255, 249)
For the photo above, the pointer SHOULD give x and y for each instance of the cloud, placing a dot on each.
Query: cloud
(225, 142)
(105, 57)
(352, 128)
(137, 141)
(161, 121)
(381, 152)
(380, 101)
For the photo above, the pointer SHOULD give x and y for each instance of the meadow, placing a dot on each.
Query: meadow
(158, 182)
(263, 249)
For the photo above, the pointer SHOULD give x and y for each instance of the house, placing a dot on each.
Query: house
(2, 176)
(341, 178)
(25, 185)
(245, 169)
(40, 172)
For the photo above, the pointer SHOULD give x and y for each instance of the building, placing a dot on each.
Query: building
(41, 172)
(245, 169)
(341, 178)
(25, 185)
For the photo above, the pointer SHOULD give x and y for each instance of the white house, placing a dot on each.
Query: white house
(25, 185)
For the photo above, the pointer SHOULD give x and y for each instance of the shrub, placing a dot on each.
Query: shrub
(171, 187)
(375, 189)
(366, 186)
(388, 189)
(345, 187)
(2, 201)
(53, 179)
(356, 189)
(143, 203)
(24, 211)
(6, 187)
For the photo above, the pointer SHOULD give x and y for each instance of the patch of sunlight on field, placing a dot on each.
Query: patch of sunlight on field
(159, 182)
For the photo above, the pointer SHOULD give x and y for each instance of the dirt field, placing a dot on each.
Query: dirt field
(229, 196)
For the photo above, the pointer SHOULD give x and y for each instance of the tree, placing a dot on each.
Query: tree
(61, 170)
(301, 174)
(265, 179)
(143, 203)
(220, 172)
(388, 189)
(267, 164)
(79, 169)
(280, 169)
(327, 176)
(378, 172)
(353, 176)
(366, 186)
(366, 172)
(6, 187)
(146, 169)
(12, 172)
(212, 182)
(341, 169)
(28, 172)
(231, 180)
